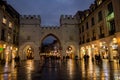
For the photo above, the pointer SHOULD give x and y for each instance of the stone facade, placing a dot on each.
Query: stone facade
(32, 34)
(99, 30)
(95, 31)
(9, 32)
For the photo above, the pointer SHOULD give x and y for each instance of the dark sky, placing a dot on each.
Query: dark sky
(50, 10)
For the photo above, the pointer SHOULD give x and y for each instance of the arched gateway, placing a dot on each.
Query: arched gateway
(32, 35)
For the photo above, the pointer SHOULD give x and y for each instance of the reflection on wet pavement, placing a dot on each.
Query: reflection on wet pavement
(61, 70)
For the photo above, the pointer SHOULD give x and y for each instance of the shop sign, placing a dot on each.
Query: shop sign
(1, 49)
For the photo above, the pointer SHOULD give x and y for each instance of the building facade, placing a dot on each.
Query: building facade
(99, 28)
(9, 32)
(32, 35)
(95, 31)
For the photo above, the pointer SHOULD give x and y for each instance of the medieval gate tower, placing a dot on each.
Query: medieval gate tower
(32, 34)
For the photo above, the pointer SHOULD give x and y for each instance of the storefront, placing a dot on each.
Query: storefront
(106, 50)
(114, 49)
(7, 52)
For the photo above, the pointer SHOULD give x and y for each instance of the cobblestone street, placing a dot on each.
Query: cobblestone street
(61, 70)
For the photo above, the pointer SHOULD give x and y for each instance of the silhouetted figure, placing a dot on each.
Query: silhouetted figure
(86, 57)
(17, 61)
(98, 58)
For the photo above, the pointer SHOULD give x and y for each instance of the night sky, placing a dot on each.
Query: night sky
(49, 10)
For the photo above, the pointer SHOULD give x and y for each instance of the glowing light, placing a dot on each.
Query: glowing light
(4, 46)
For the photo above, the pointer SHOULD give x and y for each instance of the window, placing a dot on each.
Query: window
(110, 8)
(4, 20)
(14, 39)
(83, 39)
(99, 2)
(112, 25)
(100, 17)
(101, 30)
(9, 37)
(10, 25)
(82, 28)
(92, 21)
(3, 34)
(87, 25)
(93, 33)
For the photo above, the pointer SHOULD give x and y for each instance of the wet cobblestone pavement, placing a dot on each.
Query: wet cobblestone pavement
(61, 70)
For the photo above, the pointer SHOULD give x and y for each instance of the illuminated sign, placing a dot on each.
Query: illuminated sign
(1, 49)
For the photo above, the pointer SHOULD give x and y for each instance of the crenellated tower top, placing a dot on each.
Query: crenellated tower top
(30, 19)
(67, 19)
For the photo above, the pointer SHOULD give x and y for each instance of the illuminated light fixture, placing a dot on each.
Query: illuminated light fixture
(93, 45)
(4, 46)
(100, 44)
(11, 47)
(29, 48)
(114, 40)
(16, 49)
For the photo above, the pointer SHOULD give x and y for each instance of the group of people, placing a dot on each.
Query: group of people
(97, 58)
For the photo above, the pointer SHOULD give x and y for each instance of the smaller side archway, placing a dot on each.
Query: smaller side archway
(29, 50)
(71, 50)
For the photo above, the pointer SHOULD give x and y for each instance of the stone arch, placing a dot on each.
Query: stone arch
(25, 46)
(74, 47)
(50, 34)
(59, 46)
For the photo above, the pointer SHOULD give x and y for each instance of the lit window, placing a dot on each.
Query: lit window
(4, 20)
(10, 24)
(99, 2)
(9, 37)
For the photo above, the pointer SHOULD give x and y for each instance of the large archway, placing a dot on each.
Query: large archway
(50, 46)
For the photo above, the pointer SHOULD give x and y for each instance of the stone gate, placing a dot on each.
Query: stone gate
(32, 35)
